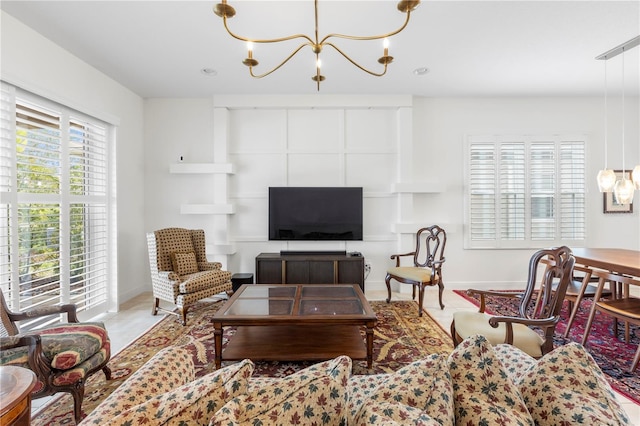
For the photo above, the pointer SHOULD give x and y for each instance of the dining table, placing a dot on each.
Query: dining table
(614, 260)
(621, 261)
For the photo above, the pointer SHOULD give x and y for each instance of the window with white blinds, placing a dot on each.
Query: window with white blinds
(54, 193)
(524, 191)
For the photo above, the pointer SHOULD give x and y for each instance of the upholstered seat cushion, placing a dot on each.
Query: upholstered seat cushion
(202, 280)
(411, 273)
(65, 346)
(471, 323)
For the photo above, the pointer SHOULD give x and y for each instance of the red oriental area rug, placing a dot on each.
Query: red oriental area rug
(612, 354)
(399, 338)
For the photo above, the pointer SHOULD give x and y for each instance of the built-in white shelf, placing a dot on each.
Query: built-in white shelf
(207, 209)
(220, 249)
(223, 168)
(411, 228)
(418, 187)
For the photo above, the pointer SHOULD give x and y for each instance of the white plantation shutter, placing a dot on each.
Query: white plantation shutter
(572, 191)
(7, 150)
(542, 160)
(482, 192)
(55, 249)
(512, 191)
(524, 192)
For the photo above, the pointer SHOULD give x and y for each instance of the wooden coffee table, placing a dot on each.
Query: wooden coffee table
(296, 322)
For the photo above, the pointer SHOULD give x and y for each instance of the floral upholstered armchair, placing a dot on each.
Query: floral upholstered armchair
(62, 356)
(180, 272)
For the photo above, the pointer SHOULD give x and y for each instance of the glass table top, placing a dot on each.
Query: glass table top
(296, 300)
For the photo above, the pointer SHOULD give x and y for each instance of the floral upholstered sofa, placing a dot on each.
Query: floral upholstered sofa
(477, 384)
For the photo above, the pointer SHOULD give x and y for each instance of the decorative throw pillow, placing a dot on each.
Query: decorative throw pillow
(314, 396)
(483, 393)
(193, 403)
(419, 393)
(169, 368)
(184, 263)
(566, 386)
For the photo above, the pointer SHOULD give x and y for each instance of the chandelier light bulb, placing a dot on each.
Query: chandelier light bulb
(623, 191)
(606, 180)
(319, 63)
(249, 46)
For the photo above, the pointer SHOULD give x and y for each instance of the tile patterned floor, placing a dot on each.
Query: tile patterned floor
(134, 318)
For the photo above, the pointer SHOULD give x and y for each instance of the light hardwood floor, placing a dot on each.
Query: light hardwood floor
(134, 318)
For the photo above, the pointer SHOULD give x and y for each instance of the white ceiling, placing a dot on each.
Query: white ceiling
(472, 48)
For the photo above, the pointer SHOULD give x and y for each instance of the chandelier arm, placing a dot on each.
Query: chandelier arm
(364, 38)
(270, 40)
(357, 64)
(281, 63)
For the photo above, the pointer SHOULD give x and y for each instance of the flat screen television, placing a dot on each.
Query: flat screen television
(315, 213)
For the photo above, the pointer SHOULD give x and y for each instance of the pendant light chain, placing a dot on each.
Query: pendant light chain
(606, 118)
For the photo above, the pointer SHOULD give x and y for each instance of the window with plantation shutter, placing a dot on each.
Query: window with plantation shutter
(524, 191)
(54, 189)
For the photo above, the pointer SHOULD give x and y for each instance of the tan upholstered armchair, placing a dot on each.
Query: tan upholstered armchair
(180, 272)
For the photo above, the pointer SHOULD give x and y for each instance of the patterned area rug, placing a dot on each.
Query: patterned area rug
(400, 338)
(612, 354)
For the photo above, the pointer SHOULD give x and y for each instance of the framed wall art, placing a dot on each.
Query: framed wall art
(609, 204)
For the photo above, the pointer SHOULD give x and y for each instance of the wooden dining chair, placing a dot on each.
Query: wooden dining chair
(582, 286)
(426, 265)
(625, 308)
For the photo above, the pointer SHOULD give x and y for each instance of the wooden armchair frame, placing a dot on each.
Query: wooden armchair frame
(540, 303)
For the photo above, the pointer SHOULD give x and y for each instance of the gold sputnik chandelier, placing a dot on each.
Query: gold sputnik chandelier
(225, 11)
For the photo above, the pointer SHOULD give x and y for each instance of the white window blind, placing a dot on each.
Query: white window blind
(54, 188)
(524, 191)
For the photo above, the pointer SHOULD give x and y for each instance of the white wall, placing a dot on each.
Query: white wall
(33, 63)
(440, 127)
(265, 148)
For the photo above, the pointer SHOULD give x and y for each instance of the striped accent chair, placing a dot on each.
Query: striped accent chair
(180, 272)
(62, 356)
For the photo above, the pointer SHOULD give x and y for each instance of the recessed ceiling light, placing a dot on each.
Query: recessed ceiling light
(209, 72)
(421, 71)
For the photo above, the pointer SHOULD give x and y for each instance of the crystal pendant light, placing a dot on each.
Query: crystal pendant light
(623, 188)
(606, 177)
(635, 176)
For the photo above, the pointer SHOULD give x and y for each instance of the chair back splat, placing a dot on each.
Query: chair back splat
(550, 290)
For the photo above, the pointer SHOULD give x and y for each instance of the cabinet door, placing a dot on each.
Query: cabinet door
(269, 272)
(297, 272)
(321, 272)
(351, 272)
